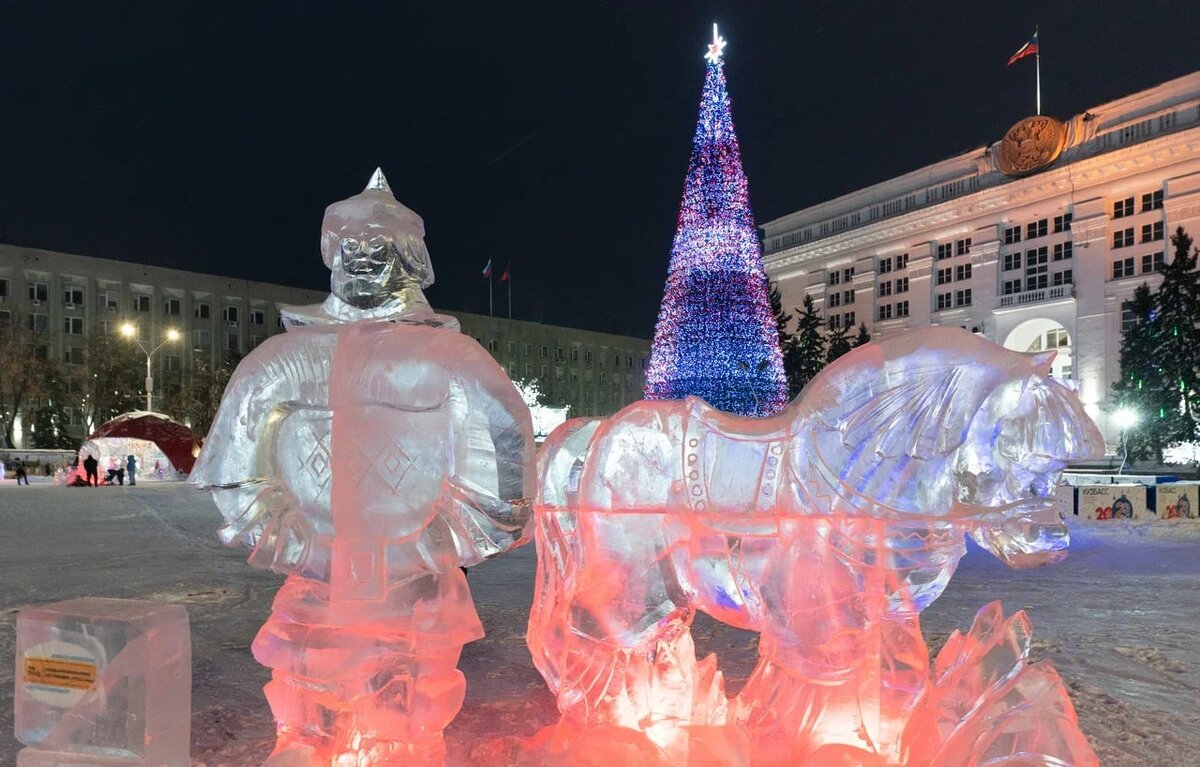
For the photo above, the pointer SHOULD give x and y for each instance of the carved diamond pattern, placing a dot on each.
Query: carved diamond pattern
(317, 462)
(389, 464)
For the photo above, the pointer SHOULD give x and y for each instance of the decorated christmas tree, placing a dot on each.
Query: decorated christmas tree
(716, 337)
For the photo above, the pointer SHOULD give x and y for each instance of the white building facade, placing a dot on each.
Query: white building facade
(1043, 256)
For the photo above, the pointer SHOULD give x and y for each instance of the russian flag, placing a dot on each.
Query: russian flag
(1028, 49)
(487, 270)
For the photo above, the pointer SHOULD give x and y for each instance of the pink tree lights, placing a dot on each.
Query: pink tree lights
(715, 336)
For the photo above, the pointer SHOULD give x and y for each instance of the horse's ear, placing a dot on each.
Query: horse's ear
(1043, 360)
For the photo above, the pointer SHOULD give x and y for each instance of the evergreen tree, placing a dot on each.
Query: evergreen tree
(1141, 386)
(789, 345)
(810, 343)
(839, 342)
(715, 337)
(1177, 351)
(863, 336)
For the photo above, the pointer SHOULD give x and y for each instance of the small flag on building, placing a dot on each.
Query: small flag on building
(487, 270)
(1028, 49)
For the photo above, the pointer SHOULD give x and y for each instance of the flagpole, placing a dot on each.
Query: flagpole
(509, 281)
(1038, 61)
(491, 311)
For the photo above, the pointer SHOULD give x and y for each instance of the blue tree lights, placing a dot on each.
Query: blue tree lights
(716, 336)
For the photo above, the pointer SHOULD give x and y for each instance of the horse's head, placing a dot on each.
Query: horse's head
(943, 425)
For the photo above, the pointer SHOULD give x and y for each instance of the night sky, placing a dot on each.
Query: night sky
(556, 136)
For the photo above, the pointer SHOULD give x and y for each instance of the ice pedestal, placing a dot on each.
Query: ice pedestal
(103, 682)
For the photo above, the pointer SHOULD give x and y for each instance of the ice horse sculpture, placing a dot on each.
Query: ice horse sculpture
(367, 453)
(827, 529)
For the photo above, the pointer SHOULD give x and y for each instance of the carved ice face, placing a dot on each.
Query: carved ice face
(367, 268)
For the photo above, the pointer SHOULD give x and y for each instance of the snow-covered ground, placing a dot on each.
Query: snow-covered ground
(1119, 619)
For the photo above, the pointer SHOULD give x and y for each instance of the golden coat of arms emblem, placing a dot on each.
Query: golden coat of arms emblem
(1030, 145)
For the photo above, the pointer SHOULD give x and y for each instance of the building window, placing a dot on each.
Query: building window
(1036, 270)
(254, 341)
(1123, 267)
(230, 315)
(902, 309)
(1057, 339)
(962, 247)
(1062, 223)
(5, 317)
(544, 352)
(140, 302)
(587, 357)
(1152, 261)
(1012, 286)
(38, 323)
(902, 285)
(849, 319)
(258, 317)
(543, 372)
(1129, 317)
(885, 312)
(202, 310)
(171, 363)
(835, 278)
(848, 297)
(1152, 201)
(512, 348)
(3, 288)
(1123, 208)
(493, 345)
(73, 296)
(200, 340)
(835, 300)
(945, 251)
(73, 326)
(559, 355)
(885, 265)
(943, 301)
(528, 349)
(962, 297)
(109, 300)
(1063, 251)
(944, 276)
(629, 363)
(1123, 238)
(574, 355)
(172, 307)
(73, 355)
(1012, 261)
(902, 261)
(1152, 232)
(1036, 229)
(885, 288)
(962, 272)
(231, 343)
(39, 292)
(848, 274)
(1062, 278)
(1012, 235)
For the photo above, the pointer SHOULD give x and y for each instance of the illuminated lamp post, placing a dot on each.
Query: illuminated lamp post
(129, 331)
(1124, 419)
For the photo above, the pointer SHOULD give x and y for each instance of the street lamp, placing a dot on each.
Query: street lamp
(1124, 419)
(130, 331)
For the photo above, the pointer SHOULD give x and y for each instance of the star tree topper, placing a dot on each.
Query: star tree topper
(716, 48)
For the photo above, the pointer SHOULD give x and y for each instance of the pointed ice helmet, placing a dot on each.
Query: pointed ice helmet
(372, 213)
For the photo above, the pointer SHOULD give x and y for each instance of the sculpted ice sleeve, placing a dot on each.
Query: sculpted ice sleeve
(368, 453)
(827, 529)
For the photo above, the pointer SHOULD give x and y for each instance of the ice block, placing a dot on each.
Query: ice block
(103, 682)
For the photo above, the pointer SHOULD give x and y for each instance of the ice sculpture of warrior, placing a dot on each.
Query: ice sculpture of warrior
(827, 529)
(367, 453)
